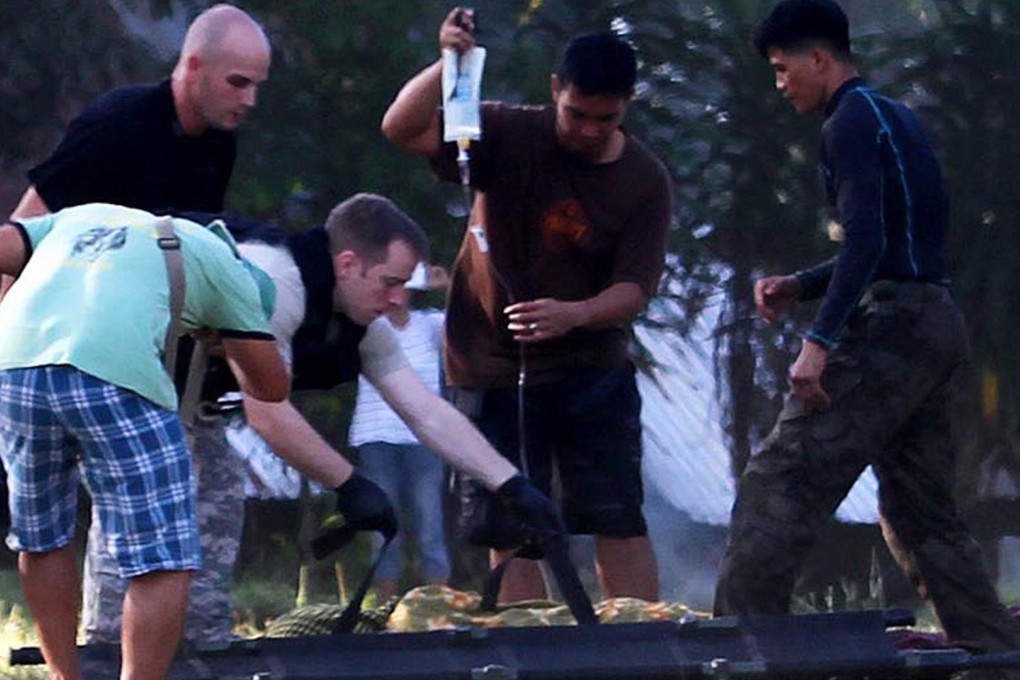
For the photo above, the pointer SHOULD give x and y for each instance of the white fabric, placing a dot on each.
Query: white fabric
(380, 351)
(289, 310)
(421, 340)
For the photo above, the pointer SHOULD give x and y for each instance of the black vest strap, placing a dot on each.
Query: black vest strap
(326, 345)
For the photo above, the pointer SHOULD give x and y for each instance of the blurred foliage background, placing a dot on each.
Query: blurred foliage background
(748, 200)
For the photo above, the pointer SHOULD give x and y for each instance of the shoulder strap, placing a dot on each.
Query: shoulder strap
(168, 242)
(192, 394)
(171, 247)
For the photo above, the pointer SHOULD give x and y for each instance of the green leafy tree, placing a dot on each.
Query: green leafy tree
(55, 57)
(960, 74)
(336, 67)
(745, 188)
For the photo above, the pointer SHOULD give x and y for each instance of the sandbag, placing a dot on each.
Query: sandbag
(429, 608)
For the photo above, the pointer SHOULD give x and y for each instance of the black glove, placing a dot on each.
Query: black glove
(540, 516)
(545, 538)
(364, 507)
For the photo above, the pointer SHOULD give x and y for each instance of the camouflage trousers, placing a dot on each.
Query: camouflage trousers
(889, 380)
(210, 615)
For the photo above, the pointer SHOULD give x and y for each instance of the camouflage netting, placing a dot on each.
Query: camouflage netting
(440, 608)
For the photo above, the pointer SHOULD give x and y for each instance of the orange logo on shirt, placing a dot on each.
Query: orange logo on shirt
(564, 224)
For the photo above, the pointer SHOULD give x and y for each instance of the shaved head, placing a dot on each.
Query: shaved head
(224, 60)
(213, 29)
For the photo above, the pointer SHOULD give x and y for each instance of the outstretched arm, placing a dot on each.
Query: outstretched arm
(362, 503)
(412, 120)
(292, 438)
(452, 437)
(443, 429)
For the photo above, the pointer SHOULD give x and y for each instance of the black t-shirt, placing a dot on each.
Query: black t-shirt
(127, 148)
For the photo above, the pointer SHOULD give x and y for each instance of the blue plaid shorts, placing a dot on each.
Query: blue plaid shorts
(57, 425)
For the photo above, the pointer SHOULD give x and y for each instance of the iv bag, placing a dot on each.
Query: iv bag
(462, 85)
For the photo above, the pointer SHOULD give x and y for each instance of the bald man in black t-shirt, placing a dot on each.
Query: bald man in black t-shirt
(164, 146)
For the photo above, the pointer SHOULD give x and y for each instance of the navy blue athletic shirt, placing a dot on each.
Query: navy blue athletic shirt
(881, 175)
(127, 148)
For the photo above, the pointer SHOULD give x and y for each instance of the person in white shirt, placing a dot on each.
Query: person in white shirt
(390, 454)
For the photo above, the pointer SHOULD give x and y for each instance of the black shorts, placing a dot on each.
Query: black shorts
(587, 429)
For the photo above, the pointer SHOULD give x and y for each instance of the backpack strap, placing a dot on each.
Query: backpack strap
(168, 242)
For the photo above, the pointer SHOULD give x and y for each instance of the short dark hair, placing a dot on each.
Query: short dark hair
(795, 24)
(368, 223)
(599, 63)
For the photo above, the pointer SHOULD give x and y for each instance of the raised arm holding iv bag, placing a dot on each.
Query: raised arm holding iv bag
(462, 123)
(462, 118)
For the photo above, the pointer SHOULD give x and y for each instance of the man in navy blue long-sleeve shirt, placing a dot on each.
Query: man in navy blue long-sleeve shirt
(882, 177)
(871, 383)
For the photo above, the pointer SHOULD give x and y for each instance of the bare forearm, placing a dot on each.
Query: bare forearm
(442, 428)
(614, 306)
(259, 368)
(292, 438)
(540, 320)
(452, 437)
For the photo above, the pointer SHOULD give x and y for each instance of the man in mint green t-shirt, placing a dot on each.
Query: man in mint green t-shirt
(84, 396)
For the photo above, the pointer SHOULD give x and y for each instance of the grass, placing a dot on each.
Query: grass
(257, 601)
(16, 630)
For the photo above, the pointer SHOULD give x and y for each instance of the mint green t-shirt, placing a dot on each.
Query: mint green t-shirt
(95, 295)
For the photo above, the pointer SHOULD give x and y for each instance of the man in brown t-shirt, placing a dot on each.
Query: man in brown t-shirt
(567, 245)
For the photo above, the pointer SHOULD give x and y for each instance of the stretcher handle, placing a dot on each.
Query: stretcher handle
(349, 617)
(557, 556)
(334, 539)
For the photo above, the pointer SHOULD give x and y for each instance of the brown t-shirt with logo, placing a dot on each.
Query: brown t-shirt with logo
(556, 226)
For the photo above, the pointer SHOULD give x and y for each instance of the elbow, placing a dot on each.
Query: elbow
(274, 391)
(258, 367)
(403, 140)
(633, 302)
(394, 131)
(638, 304)
(279, 393)
(389, 129)
(273, 387)
(408, 136)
